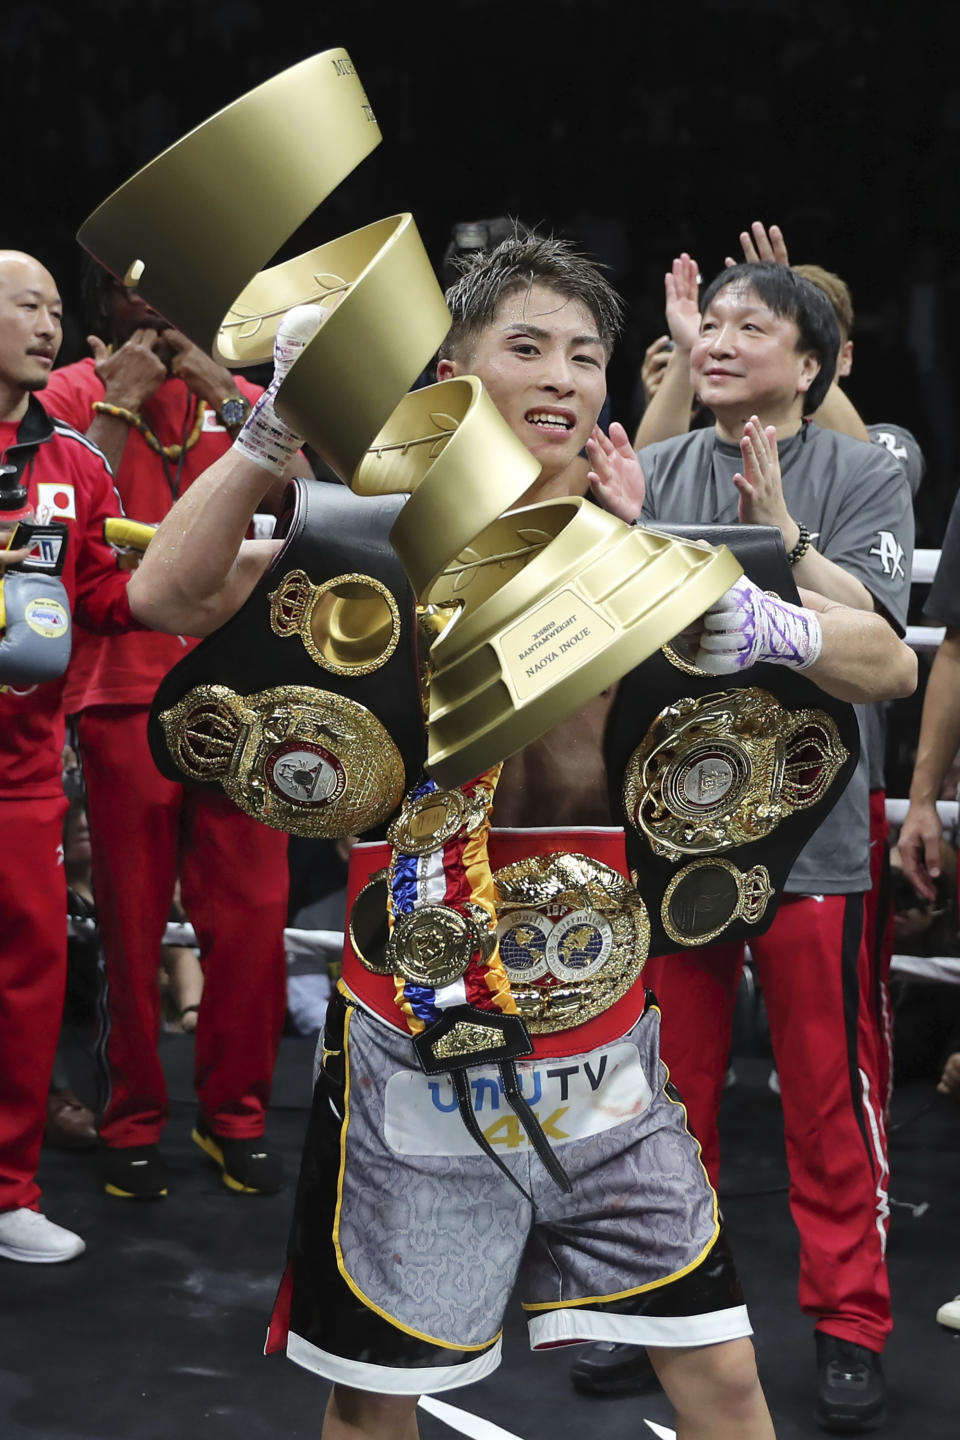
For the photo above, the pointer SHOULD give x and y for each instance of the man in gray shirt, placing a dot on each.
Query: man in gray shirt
(762, 362)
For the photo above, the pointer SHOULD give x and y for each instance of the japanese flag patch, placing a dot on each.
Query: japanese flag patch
(55, 502)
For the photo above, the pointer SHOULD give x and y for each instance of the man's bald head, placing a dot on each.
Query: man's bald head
(31, 329)
(16, 266)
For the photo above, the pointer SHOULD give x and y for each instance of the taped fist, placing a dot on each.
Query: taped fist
(746, 625)
(265, 438)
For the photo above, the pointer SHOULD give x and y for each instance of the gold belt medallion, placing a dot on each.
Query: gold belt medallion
(427, 822)
(301, 760)
(726, 769)
(433, 945)
(703, 898)
(348, 625)
(574, 936)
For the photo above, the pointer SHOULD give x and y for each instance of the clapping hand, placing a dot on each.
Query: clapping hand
(616, 475)
(759, 484)
(202, 375)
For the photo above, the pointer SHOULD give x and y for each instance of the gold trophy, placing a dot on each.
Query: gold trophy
(528, 612)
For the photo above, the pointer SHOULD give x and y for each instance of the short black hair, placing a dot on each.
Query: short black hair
(517, 263)
(792, 297)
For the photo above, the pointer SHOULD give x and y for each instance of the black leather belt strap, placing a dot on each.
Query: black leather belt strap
(506, 1040)
(532, 1126)
(462, 1087)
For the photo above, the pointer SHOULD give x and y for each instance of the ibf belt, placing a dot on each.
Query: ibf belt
(573, 936)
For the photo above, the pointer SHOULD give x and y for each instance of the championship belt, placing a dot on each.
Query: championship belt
(438, 919)
(304, 708)
(722, 779)
(571, 931)
(488, 946)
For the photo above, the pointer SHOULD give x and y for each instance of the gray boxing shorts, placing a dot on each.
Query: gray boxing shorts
(407, 1241)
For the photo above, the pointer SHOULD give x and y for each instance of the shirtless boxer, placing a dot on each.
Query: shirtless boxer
(536, 323)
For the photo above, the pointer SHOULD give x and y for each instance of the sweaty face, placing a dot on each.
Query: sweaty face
(31, 323)
(545, 369)
(746, 358)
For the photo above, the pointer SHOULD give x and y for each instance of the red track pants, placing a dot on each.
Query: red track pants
(145, 831)
(816, 976)
(33, 971)
(879, 935)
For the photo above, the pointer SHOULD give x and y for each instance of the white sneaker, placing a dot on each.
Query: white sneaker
(949, 1314)
(28, 1235)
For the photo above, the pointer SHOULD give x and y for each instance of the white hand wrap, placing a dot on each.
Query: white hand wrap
(265, 438)
(747, 626)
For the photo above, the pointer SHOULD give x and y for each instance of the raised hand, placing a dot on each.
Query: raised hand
(616, 475)
(682, 285)
(131, 373)
(949, 1083)
(758, 243)
(759, 485)
(266, 439)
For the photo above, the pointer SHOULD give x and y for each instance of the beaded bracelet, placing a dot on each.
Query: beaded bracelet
(130, 417)
(802, 545)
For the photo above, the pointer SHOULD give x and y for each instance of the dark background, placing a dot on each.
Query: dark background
(637, 129)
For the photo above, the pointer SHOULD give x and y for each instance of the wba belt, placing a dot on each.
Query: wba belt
(304, 708)
(572, 935)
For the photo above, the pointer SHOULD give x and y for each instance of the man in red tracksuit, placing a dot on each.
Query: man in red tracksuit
(162, 411)
(66, 479)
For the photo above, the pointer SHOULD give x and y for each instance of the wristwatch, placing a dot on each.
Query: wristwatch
(234, 411)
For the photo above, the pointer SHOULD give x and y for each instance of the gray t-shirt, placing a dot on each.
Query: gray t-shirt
(855, 500)
(902, 445)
